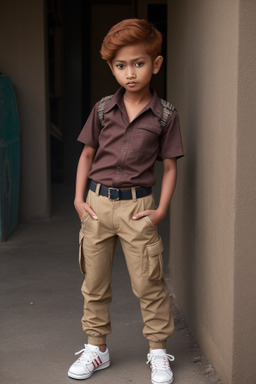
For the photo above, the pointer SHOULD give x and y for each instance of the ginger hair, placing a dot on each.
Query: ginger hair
(131, 31)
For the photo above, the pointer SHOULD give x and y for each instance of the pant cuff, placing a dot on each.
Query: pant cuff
(157, 344)
(96, 340)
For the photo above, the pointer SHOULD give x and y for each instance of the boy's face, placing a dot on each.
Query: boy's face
(133, 67)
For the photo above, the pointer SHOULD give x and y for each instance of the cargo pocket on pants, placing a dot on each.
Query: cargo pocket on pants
(81, 252)
(155, 260)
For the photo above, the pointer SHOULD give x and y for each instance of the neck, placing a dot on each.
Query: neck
(137, 98)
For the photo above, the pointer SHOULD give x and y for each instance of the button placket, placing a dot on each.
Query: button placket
(124, 148)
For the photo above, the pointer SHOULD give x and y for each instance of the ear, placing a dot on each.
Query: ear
(157, 63)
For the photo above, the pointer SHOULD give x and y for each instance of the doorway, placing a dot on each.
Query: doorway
(78, 77)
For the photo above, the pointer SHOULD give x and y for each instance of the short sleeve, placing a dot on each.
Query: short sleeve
(90, 132)
(171, 142)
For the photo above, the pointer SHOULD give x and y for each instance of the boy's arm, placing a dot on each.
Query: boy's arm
(167, 190)
(83, 169)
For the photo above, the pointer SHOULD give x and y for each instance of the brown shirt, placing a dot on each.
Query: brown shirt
(127, 151)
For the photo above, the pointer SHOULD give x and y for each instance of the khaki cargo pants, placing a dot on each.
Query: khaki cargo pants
(142, 248)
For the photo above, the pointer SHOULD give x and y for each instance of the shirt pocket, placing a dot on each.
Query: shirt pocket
(146, 138)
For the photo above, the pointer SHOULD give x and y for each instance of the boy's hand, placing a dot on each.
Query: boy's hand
(82, 207)
(155, 216)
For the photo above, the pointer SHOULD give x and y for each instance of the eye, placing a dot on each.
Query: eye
(120, 66)
(139, 64)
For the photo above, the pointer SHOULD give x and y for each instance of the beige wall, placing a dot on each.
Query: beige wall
(22, 57)
(210, 53)
(244, 367)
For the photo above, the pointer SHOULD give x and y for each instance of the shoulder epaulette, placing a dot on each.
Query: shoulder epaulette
(101, 108)
(168, 109)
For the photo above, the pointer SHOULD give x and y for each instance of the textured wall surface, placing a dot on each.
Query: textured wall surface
(212, 82)
(244, 369)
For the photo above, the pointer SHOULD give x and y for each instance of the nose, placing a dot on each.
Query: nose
(130, 73)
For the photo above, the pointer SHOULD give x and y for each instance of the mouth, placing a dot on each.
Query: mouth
(131, 83)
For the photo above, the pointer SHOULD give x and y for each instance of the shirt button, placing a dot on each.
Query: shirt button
(158, 112)
(124, 149)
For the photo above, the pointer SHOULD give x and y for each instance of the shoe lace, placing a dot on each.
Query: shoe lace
(160, 362)
(87, 355)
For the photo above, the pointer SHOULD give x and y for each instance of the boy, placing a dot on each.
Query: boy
(119, 157)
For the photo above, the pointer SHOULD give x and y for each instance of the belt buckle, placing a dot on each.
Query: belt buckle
(109, 193)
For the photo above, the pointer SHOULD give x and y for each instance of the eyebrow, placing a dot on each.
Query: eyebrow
(124, 61)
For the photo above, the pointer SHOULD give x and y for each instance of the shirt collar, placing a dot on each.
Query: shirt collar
(117, 99)
(155, 104)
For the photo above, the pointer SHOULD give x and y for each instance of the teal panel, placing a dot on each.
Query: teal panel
(9, 159)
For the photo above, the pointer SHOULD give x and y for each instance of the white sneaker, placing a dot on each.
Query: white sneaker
(91, 360)
(160, 366)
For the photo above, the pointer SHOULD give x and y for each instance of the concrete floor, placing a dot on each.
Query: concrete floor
(41, 307)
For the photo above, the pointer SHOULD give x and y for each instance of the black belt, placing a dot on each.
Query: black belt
(120, 194)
